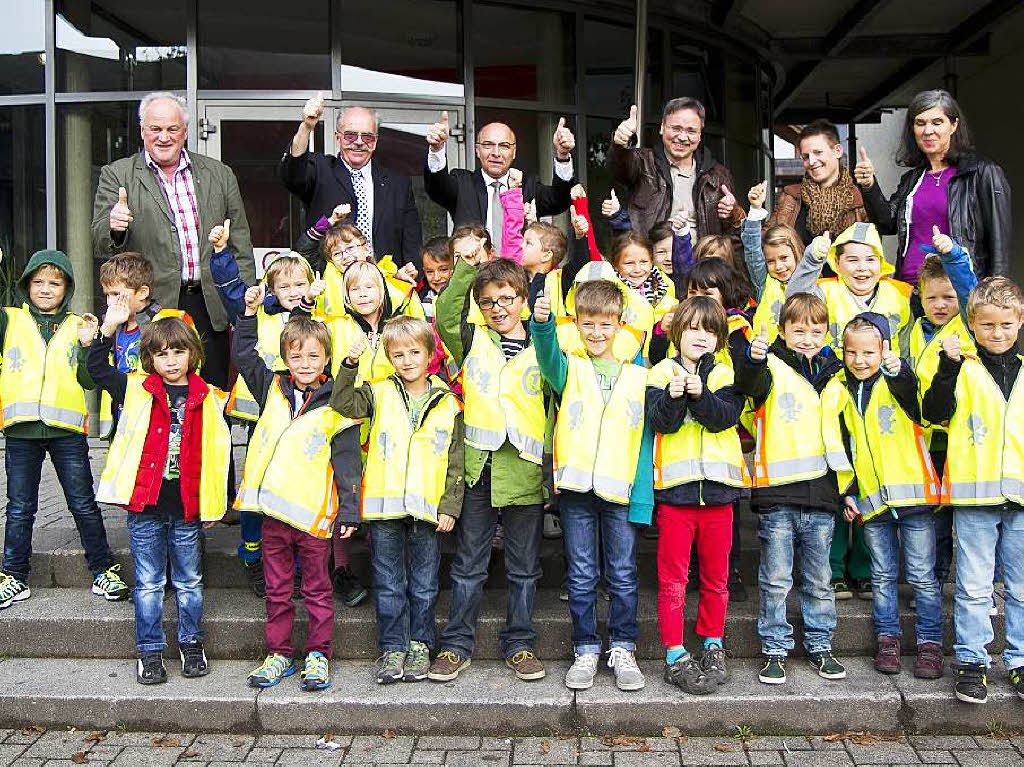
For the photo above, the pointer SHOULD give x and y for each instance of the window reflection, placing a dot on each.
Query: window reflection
(22, 191)
(22, 62)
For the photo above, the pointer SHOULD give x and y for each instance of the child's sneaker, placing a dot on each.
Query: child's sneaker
(1017, 681)
(446, 666)
(887, 658)
(347, 587)
(316, 675)
(109, 585)
(417, 662)
(628, 676)
(526, 665)
(193, 660)
(580, 675)
(863, 588)
(687, 675)
(971, 682)
(841, 589)
(774, 670)
(274, 668)
(928, 664)
(150, 668)
(257, 582)
(712, 663)
(552, 526)
(12, 590)
(826, 665)
(390, 667)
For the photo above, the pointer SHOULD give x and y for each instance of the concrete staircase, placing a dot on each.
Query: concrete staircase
(67, 658)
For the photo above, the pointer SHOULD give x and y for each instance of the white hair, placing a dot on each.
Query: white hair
(373, 113)
(149, 98)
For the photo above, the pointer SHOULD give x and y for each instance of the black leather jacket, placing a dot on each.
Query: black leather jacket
(979, 213)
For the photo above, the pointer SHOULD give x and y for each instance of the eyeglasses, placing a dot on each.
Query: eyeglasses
(487, 305)
(676, 130)
(488, 146)
(352, 137)
(349, 251)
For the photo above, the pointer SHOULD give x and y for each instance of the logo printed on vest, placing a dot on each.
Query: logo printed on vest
(776, 309)
(14, 359)
(440, 441)
(789, 408)
(833, 330)
(894, 323)
(314, 447)
(977, 427)
(635, 413)
(72, 355)
(575, 415)
(886, 419)
(476, 373)
(269, 360)
(531, 379)
(386, 445)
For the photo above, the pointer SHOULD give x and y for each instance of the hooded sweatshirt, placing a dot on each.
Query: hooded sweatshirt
(47, 324)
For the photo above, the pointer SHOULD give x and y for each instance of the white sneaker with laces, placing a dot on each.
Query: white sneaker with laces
(628, 675)
(580, 675)
(552, 526)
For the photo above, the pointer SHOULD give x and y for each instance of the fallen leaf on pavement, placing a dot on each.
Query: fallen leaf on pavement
(79, 757)
(671, 732)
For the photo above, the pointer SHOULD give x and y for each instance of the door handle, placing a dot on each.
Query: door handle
(206, 128)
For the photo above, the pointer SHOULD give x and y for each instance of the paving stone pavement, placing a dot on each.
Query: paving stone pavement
(67, 747)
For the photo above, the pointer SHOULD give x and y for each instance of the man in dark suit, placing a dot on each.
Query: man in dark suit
(382, 204)
(472, 196)
(163, 202)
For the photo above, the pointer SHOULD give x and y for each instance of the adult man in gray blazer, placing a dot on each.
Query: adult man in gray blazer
(163, 202)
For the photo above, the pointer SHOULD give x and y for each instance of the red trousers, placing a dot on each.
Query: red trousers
(281, 545)
(678, 528)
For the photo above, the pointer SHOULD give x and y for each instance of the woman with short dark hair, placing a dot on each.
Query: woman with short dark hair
(948, 186)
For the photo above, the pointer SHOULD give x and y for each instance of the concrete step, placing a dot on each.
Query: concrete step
(72, 623)
(486, 699)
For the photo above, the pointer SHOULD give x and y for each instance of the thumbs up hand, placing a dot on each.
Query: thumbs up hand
(677, 384)
(891, 362)
(515, 178)
(254, 298)
(120, 215)
(437, 136)
(694, 386)
(951, 346)
(407, 273)
(727, 203)
(627, 129)
(87, 329)
(822, 244)
(757, 194)
(563, 140)
(342, 211)
(610, 206)
(542, 308)
(313, 110)
(316, 287)
(530, 212)
(759, 346)
(355, 351)
(219, 235)
(943, 243)
(864, 171)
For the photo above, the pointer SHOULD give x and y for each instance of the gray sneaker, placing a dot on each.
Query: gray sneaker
(580, 675)
(417, 662)
(713, 664)
(628, 675)
(390, 667)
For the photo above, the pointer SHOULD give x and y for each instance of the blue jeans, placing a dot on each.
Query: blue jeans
(916, 533)
(154, 540)
(23, 459)
(781, 531)
(582, 514)
(474, 531)
(405, 555)
(982, 535)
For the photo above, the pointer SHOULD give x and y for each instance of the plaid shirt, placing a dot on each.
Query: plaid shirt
(180, 193)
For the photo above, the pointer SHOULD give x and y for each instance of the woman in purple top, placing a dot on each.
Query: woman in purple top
(948, 185)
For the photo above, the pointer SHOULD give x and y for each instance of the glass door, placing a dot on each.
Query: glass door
(250, 138)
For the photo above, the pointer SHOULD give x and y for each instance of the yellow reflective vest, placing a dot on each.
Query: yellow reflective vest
(789, 446)
(38, 379)
(925, 356)
(892, 300)
(769, 308)
(985, 456)
(890, 456)
(242, 404)
(693, 454)
(404, 300)
(504, 400)
(597, 443)
(288, 473)
(117, 482)
(374, 364)
(406, 467)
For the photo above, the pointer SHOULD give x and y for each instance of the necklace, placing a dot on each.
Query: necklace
(936, 176)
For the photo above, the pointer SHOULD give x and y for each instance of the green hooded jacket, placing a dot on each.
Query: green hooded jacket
(47, 324)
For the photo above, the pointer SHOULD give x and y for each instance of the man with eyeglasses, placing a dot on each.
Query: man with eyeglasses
(163, 202)
(678, 176)
(474, 196)
(382, 203)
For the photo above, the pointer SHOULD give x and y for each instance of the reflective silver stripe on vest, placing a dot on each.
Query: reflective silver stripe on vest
(793, 466)
(392, 507)
(838, 460)
(679, 470)
(248, 499)
(285, 509)
(531, 449)
(904, 493)
(572, 478)
(245, 408)
(484, 439)
(22, 410)
(612, 489)
(1013, 489)
(105, 491)
(62, 415)
(979, 490)
(720, 471)
(871, 505)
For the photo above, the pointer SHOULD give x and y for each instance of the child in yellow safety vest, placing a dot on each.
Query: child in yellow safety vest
(168, 467)
(794, 491)
(506, 429)
(597, 449)
(298, 435)
(873, 440)
(412, 489)
(981, 398)
(43, 378)
(693, 408)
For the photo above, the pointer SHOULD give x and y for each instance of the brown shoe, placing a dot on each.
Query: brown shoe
(929, 661)
(446, 666)
(887, 659)
(526, 665)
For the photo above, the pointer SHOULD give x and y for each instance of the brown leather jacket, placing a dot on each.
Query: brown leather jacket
(789, 212)
(645, 172)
